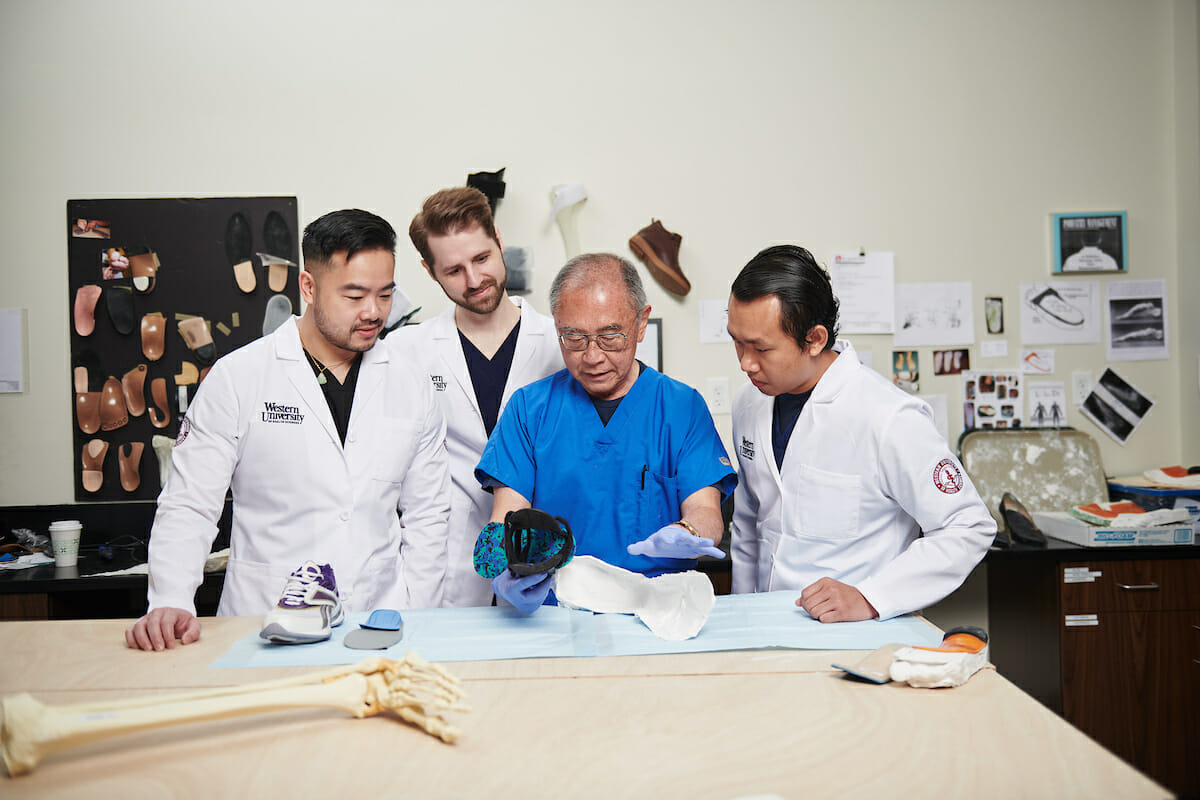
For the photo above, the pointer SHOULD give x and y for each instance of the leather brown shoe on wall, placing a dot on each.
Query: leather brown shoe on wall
(658, 249)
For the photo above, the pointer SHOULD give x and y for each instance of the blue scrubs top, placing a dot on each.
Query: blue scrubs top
(614, 484)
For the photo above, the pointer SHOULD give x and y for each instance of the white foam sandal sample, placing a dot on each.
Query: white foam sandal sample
(1177, 477)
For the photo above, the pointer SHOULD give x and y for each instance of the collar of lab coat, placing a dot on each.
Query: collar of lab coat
(835, 378)
(370, 376)
(828, 388)
(444, 328)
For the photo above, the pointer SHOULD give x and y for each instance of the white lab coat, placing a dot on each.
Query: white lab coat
(260, 425)
(860, 481)
(436, 344)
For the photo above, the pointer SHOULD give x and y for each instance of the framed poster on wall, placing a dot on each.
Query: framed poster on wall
(649, 350)
(158, 290)
(1090, 242)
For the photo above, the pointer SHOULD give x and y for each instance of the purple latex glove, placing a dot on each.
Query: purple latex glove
(524, 594)
(674, 542)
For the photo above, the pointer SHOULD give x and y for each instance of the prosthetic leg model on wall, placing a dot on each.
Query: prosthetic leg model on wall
(565, 203)
(417, 691)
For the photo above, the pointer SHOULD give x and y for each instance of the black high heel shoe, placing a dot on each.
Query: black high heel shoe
(1021, 526)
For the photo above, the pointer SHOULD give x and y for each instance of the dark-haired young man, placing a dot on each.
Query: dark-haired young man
(477, 352)
(840, 471)
(323, 437)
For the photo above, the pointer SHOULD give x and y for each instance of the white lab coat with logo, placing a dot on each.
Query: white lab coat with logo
(260, 425)
(436, 344)
(864, 473)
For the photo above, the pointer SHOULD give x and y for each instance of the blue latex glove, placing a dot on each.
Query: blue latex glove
(525, 594)
(674, 542)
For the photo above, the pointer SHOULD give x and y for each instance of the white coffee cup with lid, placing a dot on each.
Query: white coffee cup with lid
(64, 535)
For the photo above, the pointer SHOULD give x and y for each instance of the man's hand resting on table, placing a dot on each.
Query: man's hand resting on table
(828, 600)
(159, 629)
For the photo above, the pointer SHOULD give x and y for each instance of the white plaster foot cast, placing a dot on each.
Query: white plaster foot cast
(674, 606)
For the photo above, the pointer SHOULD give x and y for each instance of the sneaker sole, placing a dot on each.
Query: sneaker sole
(277, 634)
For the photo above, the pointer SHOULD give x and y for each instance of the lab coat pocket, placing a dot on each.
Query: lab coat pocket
(252, 587)
(826, 507)
(393, 447)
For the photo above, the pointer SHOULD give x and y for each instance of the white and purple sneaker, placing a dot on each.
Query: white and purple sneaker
(308, 609)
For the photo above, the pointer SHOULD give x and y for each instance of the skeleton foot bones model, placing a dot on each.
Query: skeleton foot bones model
(417, 691)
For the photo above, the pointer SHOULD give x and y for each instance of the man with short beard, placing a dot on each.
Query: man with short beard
(479, 351)
(323, 438)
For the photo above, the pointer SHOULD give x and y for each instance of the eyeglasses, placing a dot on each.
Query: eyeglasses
(578, 342)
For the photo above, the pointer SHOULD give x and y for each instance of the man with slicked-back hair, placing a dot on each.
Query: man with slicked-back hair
(846, 491)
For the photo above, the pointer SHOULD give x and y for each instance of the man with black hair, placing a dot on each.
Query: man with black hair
(323, 438)
(846, 490)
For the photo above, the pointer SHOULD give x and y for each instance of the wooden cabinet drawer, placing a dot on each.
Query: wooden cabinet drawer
(1149, 585)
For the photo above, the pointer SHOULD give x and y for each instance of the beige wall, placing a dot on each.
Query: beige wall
(946, 132)
(1187, 215)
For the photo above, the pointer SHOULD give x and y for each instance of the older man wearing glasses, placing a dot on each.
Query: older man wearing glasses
(627, 455)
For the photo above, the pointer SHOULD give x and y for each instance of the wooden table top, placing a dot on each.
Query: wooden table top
(719, 725)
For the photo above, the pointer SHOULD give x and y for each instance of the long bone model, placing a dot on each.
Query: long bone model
(416, 690)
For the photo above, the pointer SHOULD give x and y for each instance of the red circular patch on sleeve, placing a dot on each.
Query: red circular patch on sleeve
(947, 477)
(185, 427)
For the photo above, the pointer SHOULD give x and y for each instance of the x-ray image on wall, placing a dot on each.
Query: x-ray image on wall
(1137, 321)
(1116, 406)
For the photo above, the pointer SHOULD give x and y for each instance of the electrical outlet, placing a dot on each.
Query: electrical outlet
(1081, 385)
(718, 396)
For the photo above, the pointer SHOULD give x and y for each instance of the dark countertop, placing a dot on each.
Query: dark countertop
(1056, 550)
(84, 577)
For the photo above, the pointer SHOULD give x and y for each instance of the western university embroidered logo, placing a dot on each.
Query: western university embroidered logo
(947, 477)
(439, 383)
(274, 412)
(747, 448)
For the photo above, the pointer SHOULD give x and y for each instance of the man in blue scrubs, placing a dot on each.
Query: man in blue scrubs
(627, 455)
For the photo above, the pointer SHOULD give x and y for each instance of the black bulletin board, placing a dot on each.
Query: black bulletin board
(192, 243)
